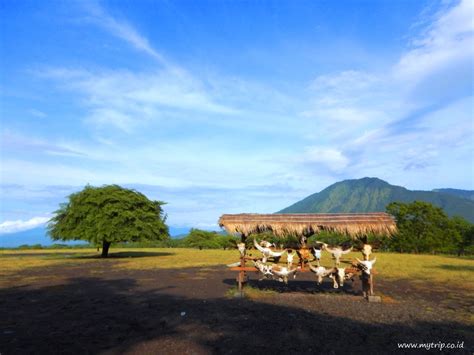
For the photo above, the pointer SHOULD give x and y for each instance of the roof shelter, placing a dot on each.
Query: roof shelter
(304, 224)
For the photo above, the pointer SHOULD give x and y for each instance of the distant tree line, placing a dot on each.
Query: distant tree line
(421, 228)
(112, 214)
(425, 228)
(197, 238)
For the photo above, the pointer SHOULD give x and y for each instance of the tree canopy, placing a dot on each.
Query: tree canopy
(208, 240)
(108, 214)
(423, 227)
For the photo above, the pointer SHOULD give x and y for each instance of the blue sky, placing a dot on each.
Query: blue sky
(223, 107)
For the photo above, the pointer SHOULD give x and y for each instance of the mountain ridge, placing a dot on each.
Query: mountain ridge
(371, 194)
(467, 194)
(39, 235)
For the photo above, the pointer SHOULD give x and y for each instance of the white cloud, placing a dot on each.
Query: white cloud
(21, 225)
(344, 83)
(443, 52)
(435, 149)
(122, 30)
(404, 120)
(346, 102)
(351, 123)
(125, 99)
(10, 141)
(37, 113)
(331, 158)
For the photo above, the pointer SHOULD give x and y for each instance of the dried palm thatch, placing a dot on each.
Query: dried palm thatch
(353, 224)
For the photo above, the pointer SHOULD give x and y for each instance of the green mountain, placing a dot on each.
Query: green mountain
(467, 194)
(373, 195)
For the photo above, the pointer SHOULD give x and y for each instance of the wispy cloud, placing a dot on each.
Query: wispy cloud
(184, 204)
(440, 56)
(37, 113)
(122, 30)
(10, 141)
(398, 120)
(325, 158)
(125, 99)
(212, 137)
(22, 225)
(130, 99)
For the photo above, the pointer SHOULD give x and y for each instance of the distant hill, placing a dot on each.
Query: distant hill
(467, 194)
(30, 237)
(373, 195)
(39, 236)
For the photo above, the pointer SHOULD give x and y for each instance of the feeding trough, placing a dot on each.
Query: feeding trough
(302, 225)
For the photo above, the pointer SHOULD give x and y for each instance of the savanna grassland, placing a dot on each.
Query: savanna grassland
(169, 300)
(438, 270)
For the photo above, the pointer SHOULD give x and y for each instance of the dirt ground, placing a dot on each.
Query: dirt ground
(88, 309)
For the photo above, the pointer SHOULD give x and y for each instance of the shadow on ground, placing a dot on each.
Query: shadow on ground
(126, 254)
(88, 255)
(299, 286)
(456, 267)
(93, 315)
(21, 255)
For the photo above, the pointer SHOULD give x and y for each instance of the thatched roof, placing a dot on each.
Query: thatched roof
(352, 224)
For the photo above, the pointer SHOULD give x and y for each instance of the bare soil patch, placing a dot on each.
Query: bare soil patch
(92, 308)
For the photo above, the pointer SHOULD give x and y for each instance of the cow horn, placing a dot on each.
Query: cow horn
(312, 268)
(347, 251)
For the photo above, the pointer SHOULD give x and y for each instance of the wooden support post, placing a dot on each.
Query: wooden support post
(304, 251)
(365, 284)
(242, 274)
(371, 285)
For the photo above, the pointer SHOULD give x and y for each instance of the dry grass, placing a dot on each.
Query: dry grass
(13, 261)
(250, 292)
(352, 224)
(436, 269)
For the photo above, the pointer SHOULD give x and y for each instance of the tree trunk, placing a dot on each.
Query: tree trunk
(105, 248)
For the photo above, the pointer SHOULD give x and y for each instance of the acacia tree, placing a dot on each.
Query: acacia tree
(108, 214)
(422, 227)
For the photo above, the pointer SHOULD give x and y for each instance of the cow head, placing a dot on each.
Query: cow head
(290, 258)
(266, 270)
(366, 265)
(366, 251)
(337, 276)
(241, 247)
(266, 244)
